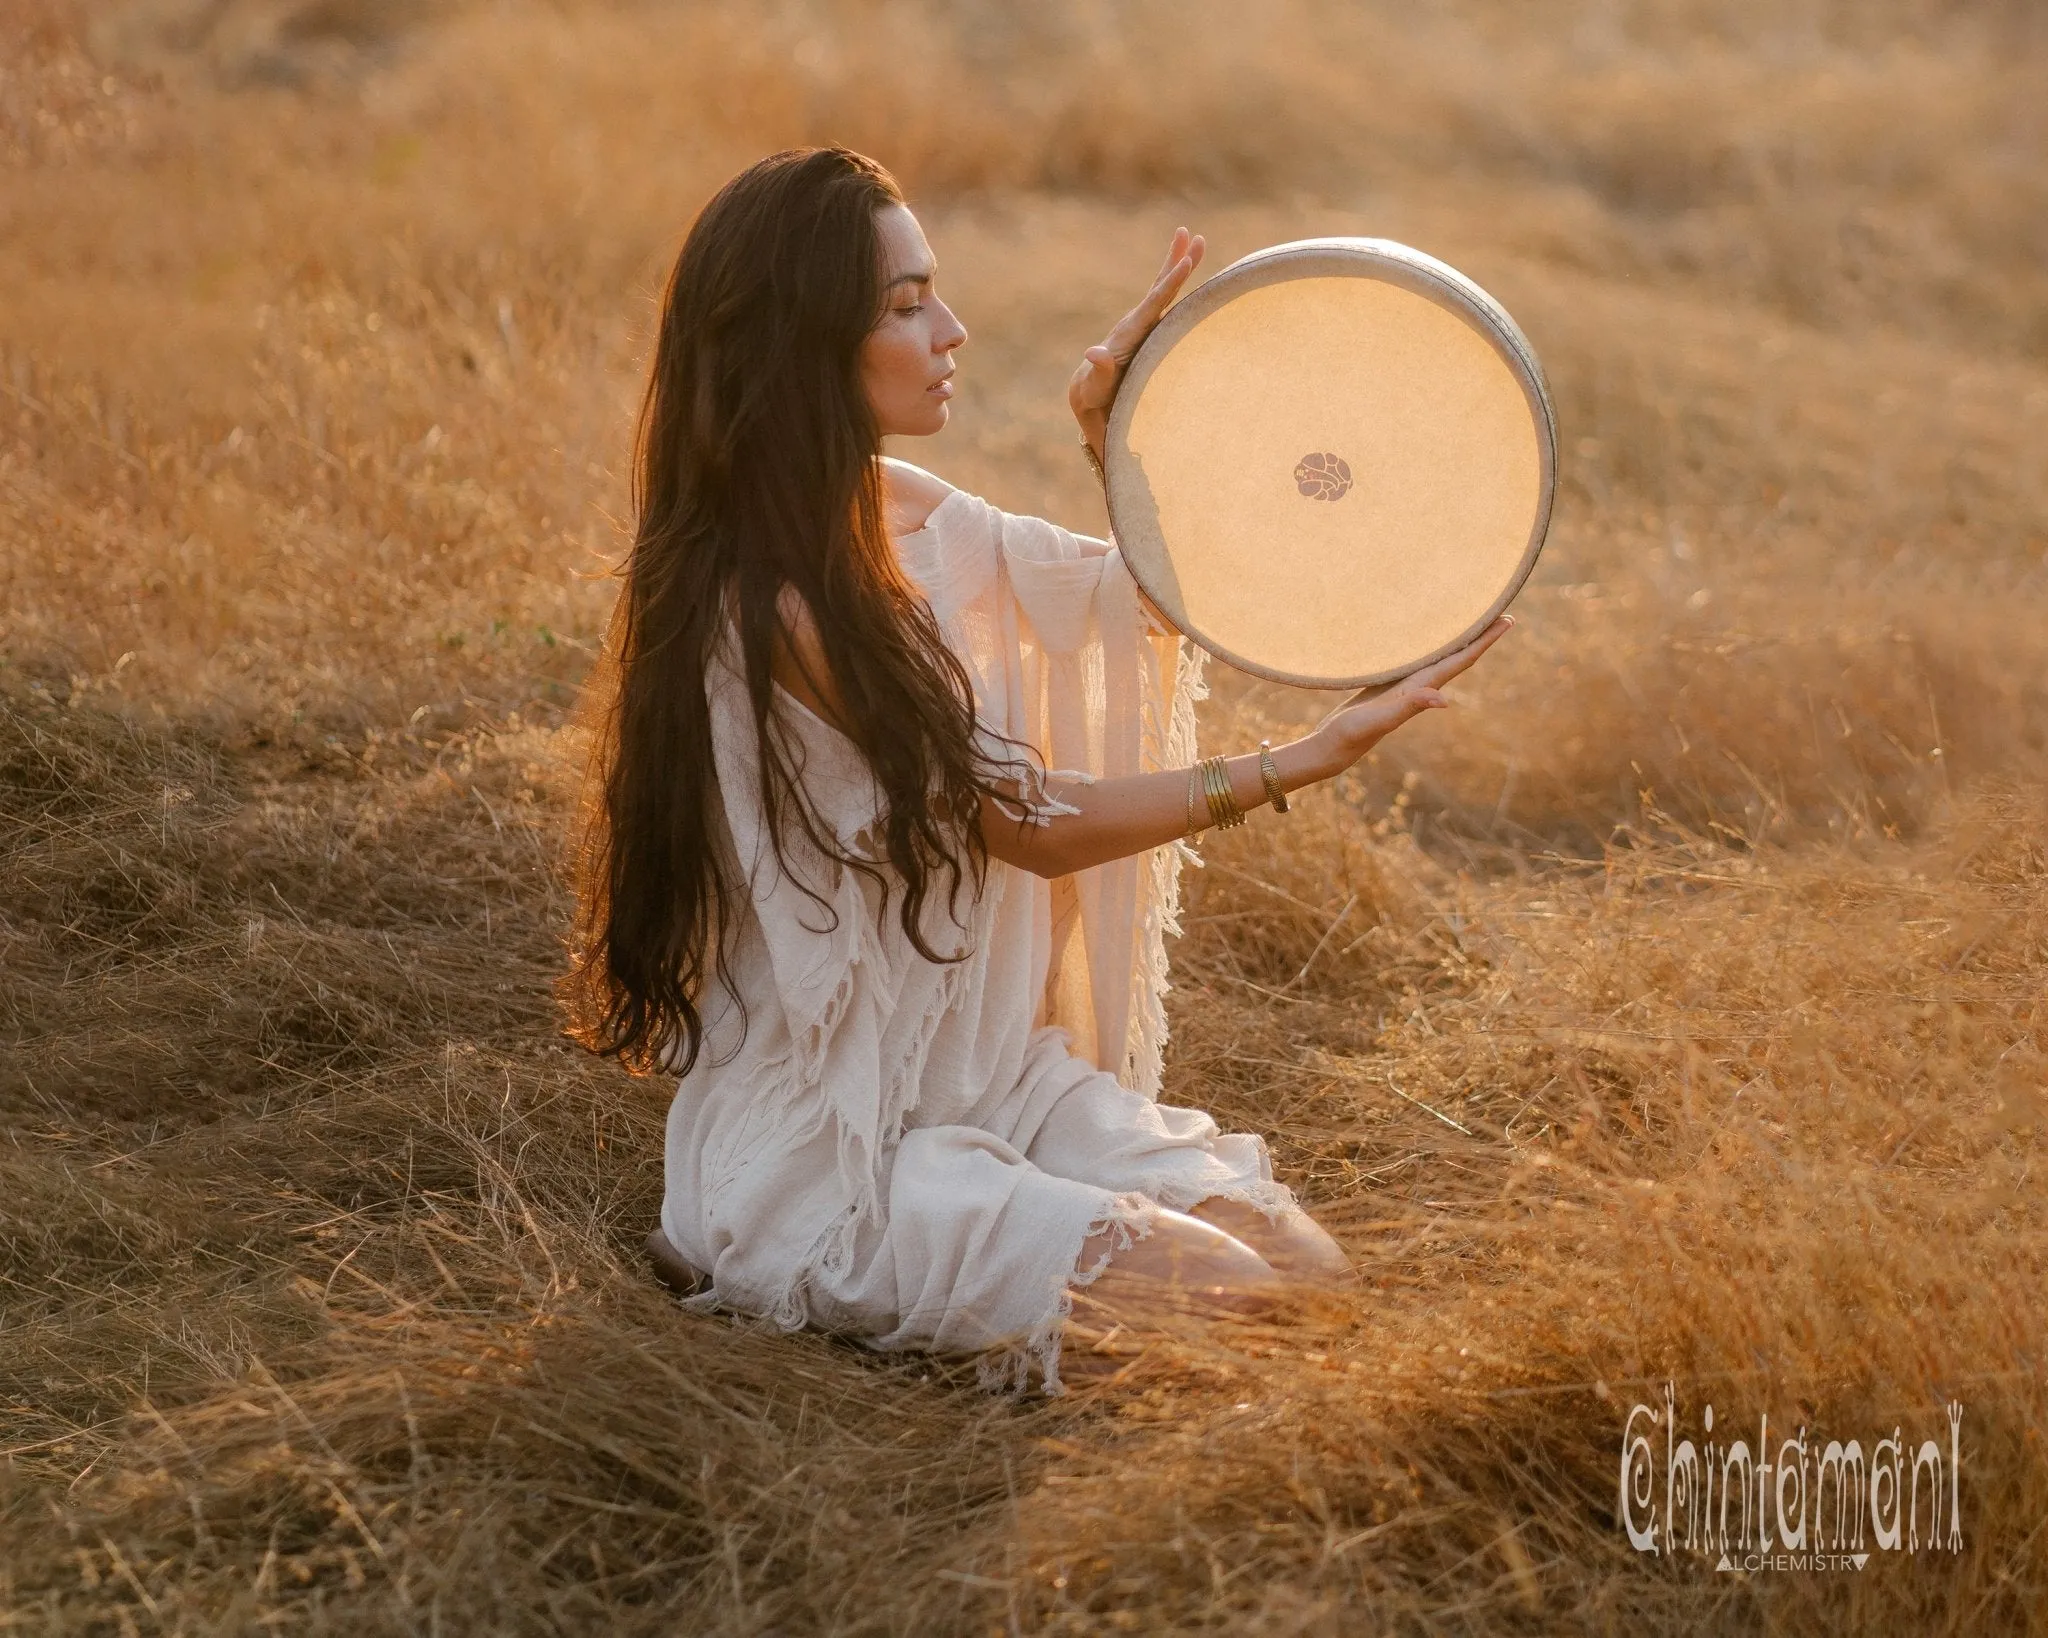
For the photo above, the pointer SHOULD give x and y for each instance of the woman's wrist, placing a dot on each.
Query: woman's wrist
(1309, 760)
(1298, 763)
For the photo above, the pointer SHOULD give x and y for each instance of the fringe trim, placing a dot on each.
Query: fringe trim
(859, 1148)
(1034, 804)
(1168, 725)
(1008, 1370)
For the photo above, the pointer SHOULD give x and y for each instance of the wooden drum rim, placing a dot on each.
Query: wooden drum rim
(1392, 263)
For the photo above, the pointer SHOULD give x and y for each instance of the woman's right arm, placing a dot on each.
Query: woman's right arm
(1119, 817)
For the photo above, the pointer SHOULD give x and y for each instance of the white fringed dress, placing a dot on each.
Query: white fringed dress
(913, 1152)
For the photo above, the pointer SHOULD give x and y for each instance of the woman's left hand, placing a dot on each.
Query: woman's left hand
(1372, 713)
(1093, 387)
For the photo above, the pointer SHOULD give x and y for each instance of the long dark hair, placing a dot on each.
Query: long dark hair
(756, 472)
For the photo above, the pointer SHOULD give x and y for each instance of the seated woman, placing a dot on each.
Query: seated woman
(888, 805)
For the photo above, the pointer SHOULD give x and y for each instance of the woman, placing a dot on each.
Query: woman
(885, 826)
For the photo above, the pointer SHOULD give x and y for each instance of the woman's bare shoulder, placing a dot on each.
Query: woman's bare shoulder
(797, 659)
(912, 494)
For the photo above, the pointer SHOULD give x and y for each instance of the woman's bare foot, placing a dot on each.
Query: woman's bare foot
(1183, 1267)
(1295, 1245)
(671, 1268)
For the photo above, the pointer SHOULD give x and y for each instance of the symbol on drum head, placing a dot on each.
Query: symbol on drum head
(1323, 477)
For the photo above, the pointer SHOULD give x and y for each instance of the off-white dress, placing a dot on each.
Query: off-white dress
(913, 1152)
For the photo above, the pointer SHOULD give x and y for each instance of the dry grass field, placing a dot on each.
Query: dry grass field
(1675, 1010)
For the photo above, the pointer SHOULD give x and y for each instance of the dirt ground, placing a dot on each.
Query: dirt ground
(1669, 1013)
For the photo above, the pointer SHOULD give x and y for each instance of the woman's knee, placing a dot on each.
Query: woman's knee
(1179, 1253)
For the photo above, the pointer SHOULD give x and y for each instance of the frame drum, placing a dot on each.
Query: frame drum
(1333, 462)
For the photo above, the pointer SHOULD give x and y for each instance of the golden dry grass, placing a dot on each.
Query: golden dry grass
(1674, 1013)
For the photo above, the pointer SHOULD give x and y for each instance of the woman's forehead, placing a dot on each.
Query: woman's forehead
(905, 254)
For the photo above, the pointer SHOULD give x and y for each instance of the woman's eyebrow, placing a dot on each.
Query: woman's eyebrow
(925, 277)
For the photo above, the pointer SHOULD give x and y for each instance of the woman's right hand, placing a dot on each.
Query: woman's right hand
(1371, 714)
(1093, 388)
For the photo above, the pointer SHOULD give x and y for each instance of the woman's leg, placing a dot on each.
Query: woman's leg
(1182, 1267)
(1294, 1245)
(1182, 1259)
(1100, 1132)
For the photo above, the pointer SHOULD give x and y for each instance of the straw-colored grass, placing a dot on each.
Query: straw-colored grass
(1673, 1011)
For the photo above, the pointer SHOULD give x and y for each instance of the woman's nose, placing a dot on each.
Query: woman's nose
(952, 333)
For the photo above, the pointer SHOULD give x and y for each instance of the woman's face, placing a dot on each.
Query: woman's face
(907, 360)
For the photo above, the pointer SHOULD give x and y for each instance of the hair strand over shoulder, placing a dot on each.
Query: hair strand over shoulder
(757, 477)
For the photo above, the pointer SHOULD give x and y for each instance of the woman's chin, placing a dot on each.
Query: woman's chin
(930, 418)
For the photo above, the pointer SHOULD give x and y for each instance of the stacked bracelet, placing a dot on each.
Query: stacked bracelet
(1223, 809)
(1212, 776)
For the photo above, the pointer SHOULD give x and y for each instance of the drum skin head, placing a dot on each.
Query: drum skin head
(1332, 463)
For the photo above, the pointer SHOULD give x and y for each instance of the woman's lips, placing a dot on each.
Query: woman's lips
(942, 388)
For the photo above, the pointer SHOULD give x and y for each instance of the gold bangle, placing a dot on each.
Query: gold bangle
(1194, 777)
(1095, 463)
(1223, 806)
(1269, 770)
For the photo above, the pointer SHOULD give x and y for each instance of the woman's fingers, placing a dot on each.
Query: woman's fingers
(1415, 702)
(1460, 661)
(1184, 245)
(1359, 727)
(1407, 704)
(1174, 250)
(1094, 382)
(1451, 666)
(1094, 385)
(1374, 712)
(1183, 256)
(1175, 273)
(1131, 330)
